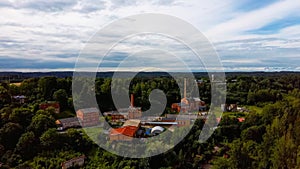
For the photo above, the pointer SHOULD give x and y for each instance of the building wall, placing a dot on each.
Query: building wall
(134, 113)
(115, 117)
(186, 122)
(119, 137)
(88, 119)
(70, 124)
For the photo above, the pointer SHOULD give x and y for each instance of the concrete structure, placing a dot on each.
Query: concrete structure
(75, 162)
(183, 116)
(134, 112)
(131, 112)
(179, 122)
(182, 120)
(188, 104)
(192, 105)
(161, 123)
(88, 117)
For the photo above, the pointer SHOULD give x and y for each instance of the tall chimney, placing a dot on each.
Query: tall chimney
(184, 94)
(132, 100)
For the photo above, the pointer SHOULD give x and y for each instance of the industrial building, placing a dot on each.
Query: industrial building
(186, 104)
(88, 117)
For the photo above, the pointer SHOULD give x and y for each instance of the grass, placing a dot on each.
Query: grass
(93, 132)
(255, 109)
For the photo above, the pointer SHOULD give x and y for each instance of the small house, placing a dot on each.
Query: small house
(66, 123)
(75, 162)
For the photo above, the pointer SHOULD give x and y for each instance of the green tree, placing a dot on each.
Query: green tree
(51, 139)
(14, 89)
(47, 86)
(5, 113)
(285, 153)
(9, 134)
(62, 97)
(22, 116)
(29, 87)
(64, 83)
(239, 155)
(27, 145)
(5, 97)
(41, 123)
(222, 163)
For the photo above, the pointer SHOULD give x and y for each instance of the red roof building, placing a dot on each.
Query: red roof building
(55, 105)
(126, 133)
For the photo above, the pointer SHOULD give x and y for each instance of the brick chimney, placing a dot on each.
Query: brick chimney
(132, 100)
(184, 94)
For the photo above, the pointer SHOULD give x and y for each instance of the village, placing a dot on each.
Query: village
(130, 123)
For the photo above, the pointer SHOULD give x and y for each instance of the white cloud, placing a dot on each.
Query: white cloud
(254, 20)
(44, 31)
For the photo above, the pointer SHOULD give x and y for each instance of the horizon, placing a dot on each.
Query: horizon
(274, 71)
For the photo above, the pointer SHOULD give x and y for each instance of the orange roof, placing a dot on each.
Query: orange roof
(127, 131)
(241, 119)
(57, 122)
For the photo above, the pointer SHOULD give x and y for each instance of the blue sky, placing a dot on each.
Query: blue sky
(248, 35)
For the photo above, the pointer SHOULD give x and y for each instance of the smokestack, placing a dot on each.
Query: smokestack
(184, 94)
(132, 100)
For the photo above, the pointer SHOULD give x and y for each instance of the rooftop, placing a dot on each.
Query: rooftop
(89, 110)
(241, 119)
(127, 131)
(67, 120)
(132, 122)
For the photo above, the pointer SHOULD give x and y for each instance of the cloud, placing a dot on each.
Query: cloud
(39, 34)
(88, 6)
(254, 19)
(47, 6)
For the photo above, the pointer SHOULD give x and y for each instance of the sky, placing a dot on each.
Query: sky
(248, 35)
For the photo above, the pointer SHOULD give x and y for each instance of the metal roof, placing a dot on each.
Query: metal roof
(157, 128)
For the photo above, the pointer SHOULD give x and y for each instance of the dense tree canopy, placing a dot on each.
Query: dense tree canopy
(268, 138)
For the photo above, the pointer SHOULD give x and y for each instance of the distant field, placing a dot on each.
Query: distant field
(17, 84)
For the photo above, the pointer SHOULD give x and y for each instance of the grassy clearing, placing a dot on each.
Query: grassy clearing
(255, 109)
(93, 132)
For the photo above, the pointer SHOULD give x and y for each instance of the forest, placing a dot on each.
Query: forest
(269, 137)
